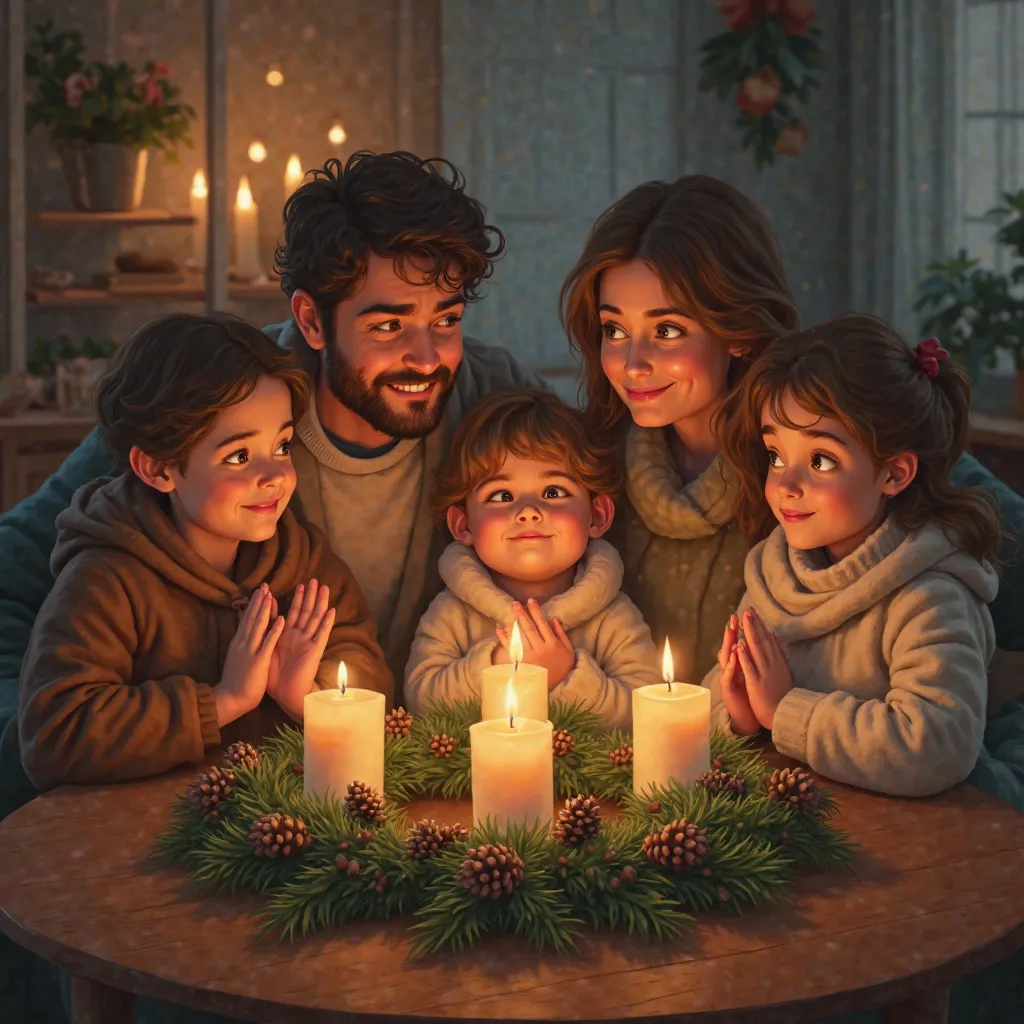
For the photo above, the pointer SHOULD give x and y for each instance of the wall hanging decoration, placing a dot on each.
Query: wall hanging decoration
(734, 838)
(767, 55)
(102, 118)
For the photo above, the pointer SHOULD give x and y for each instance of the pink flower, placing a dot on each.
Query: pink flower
(759, 92)
(792, 139)
(74, 85)
(161, 69)
(154, 94)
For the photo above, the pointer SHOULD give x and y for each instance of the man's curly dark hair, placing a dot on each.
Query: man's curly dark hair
(396, 205)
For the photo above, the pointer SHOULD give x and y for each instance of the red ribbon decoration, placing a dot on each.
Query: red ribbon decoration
(928, 355)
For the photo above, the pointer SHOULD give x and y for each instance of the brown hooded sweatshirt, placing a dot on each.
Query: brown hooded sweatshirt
(118, 679)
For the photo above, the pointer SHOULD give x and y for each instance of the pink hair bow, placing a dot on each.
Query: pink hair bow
(928, 355)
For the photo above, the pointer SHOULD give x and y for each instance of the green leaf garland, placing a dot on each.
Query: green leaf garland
(353, 871)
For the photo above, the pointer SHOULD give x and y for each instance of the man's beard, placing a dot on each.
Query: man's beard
(369, 400)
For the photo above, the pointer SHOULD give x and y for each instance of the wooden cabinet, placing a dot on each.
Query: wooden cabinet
(32, 446)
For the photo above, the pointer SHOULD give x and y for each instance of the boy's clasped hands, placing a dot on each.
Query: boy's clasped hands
(755, 675)
(273, 654)
(545, 644)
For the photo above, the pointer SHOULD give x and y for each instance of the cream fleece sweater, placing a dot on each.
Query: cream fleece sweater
(888, 650)
(455, 638)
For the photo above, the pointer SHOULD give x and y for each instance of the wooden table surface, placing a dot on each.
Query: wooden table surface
(938, 894)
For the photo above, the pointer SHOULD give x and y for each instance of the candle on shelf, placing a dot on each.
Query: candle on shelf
(247, 234)
(293, 176)
(671, 731)
(343, 736)
(529, 683)
(512, 768)
(197, 201)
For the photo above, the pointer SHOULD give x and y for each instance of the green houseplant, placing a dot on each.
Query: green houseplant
(976, 312)
(102, 118)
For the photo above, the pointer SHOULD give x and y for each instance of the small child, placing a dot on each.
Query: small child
(866, 631)
(527, 499)
(162, 636)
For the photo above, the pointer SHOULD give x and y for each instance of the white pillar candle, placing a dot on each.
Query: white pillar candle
(512, 770)
(197, 202)
(247, 234)
(293, 175)
(529, 686)
(671, 731)
(343, 737)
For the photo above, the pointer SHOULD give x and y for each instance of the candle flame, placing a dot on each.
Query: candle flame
(515, 644)
(510, 700)
(294, 169)
(244, 200)
(199, 189)
(337, 135)
(275, 76)
(667, 668)
(342, 676)
(257, 151)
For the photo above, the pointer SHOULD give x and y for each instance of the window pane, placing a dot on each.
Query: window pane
(982, 57)
(980, 242)
(981, 172)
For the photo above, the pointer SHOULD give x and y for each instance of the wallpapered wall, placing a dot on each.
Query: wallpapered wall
(340, 60)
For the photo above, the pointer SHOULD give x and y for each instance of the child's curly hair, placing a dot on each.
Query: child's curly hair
(529, 423)
(860, 371)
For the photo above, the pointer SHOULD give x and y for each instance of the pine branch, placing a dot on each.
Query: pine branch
(183, 836)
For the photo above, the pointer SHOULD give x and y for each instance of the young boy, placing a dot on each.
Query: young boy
(527, 499)
(162, 636)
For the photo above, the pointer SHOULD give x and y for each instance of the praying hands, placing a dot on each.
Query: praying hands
(754, 674)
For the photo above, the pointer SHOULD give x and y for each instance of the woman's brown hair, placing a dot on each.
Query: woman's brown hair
(177, 372)
(860, 371)
(526, 422)
(718, 261)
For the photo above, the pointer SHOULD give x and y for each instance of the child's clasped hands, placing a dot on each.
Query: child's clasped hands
(275, 655)
(755, 674)
(544, 643)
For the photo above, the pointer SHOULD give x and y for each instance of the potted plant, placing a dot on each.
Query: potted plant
(102, 118)
(71, 369)
(976, 312)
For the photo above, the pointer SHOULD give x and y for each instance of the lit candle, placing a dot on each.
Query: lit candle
(247, 234)
(293, 176)
(671, 731)
(512, 770)
(529, 683)
(197, 207)
(343, 736)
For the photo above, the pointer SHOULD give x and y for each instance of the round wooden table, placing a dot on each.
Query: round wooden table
(938, 894)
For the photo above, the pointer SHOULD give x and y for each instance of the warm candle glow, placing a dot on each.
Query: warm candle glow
(294, 168)
(667, 669)
(510, 700)
(342, 676)
(515, 644)
(257, 151)
(337, 135)
(199, 189)
(275, 76)
(244, 200)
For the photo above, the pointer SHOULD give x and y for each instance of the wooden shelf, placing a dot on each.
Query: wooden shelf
(114, 218)
(998, 431)
(69, 297)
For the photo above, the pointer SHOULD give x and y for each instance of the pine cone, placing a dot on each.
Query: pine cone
(209, 790)
(492, 871)
(621, 755)
(278, 835)
(679, 844)
(562, 743)
(242, 753)
(363, 801)
(796, 787)
(717, 781)
(397, 722)
(578, 821)
(442, 745)
(426, 837)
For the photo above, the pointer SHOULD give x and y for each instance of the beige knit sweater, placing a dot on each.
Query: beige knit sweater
(456, 636)
(682, 552)
(888, 650)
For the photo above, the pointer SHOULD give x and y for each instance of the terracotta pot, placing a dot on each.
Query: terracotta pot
(105, 176)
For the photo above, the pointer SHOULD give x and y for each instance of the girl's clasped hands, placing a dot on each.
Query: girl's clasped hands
(275, 655)
(755, 675)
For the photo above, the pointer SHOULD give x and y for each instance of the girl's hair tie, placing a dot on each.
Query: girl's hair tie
(928, 355)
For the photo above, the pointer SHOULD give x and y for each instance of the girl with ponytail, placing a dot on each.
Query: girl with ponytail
(863, 638)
